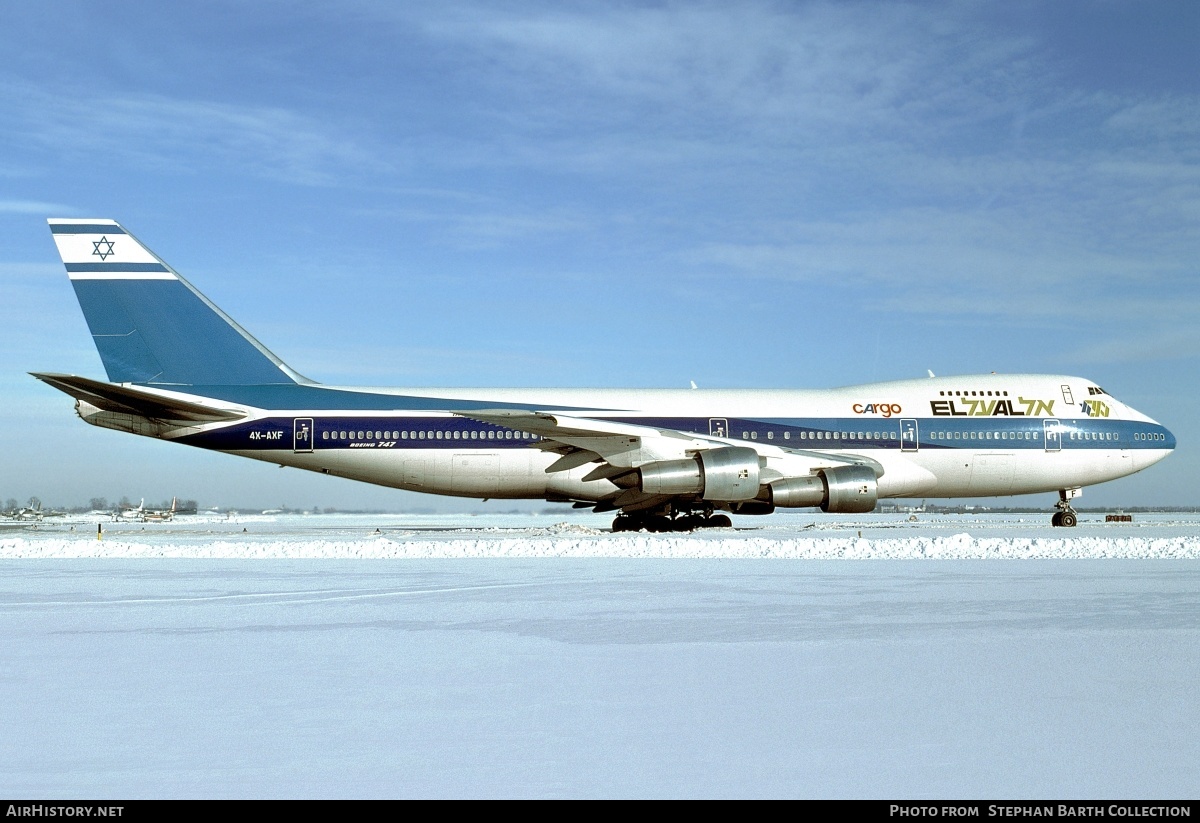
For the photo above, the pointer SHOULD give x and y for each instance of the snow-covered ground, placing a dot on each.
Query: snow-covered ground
(543, 657)
(784, 535)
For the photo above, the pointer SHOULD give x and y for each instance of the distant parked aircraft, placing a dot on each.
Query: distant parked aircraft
(143, 515)
(31, 513)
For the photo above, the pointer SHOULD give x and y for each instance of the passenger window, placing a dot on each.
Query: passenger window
(770, 435)
(753, 435)
(787, 435)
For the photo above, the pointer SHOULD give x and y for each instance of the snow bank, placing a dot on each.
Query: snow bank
(576, 541)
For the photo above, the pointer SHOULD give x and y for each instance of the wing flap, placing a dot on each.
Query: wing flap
(573, 459)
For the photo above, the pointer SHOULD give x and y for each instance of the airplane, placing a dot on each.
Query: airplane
(143, 515)
(180, 369)
(159, 515)
(27, 514)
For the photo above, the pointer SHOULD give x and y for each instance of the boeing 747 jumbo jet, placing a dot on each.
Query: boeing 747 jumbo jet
(180, 369)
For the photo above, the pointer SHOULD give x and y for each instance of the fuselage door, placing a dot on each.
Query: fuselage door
(1053, 435)
(718, 427)
(302, 435)
(908, 435)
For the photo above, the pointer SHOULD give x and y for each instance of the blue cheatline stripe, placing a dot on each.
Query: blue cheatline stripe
(116, 267)
(334, 430)
(85, 228)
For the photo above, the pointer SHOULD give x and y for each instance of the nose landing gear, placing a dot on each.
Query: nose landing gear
(1065, 516)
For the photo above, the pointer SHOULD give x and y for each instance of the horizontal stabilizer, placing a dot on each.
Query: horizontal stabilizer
(126, 400)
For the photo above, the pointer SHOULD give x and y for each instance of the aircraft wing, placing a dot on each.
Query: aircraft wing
(620, 447)
(583, 440)
(130, 400)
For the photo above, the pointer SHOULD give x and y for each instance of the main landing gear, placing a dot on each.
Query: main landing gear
(1065, 516)
(636, 521)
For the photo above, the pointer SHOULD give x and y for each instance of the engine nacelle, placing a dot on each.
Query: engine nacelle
(798, 492)
(715, 474)
(844, 489)
(852, 489)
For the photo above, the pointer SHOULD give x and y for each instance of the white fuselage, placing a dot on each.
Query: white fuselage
(973, 436)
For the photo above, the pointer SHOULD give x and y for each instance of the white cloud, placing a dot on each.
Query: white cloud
(1168, 343)
(182, 134)
(35, 207)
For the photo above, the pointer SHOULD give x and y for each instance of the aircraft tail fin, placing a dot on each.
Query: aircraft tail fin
(150, 325)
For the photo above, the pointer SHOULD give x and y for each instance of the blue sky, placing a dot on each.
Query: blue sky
(609, 194)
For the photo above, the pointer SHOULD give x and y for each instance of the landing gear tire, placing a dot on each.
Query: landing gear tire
(658, 523)
(1065, 516)
(1068, 519)
(661, 523)
(625, 523)
(686, 523)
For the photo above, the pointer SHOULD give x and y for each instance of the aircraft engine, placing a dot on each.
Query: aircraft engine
(844, 489)
(716, 474)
